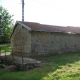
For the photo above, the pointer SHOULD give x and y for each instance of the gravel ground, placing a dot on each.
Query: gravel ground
(3, 54)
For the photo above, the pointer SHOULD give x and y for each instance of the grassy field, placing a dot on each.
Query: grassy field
(5, 47)
(58, 67)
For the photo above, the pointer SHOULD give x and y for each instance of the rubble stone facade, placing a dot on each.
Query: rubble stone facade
(41, 43)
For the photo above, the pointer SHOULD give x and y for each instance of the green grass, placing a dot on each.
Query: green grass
(58, 67)
(5, 48)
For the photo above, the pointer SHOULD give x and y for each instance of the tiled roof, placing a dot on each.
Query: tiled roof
(51, 28)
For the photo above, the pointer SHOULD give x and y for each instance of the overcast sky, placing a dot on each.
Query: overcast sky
(54, 12)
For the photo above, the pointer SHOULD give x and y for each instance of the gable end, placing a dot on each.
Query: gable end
(22, 25)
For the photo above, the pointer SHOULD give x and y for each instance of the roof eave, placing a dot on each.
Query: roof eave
(28, 28)
(22, 25)
(55, 31)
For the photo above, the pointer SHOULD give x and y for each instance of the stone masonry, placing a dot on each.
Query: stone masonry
(54, 43)
(21, 42)
(40, 43)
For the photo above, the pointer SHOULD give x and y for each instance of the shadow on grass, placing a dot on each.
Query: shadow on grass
(60, 65)
(53, 70)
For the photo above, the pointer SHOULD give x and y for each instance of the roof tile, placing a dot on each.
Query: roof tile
(51, 28)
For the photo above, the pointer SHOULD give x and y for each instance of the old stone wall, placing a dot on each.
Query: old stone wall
(37, 43)
(21, 41)
(44, 43)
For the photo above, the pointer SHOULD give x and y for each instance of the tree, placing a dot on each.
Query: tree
(5, 25)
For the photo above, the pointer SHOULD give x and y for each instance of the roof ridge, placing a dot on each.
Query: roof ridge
(34, 26)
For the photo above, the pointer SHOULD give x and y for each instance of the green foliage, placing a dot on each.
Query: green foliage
(59, 67)
(5, 48)
(6, 25)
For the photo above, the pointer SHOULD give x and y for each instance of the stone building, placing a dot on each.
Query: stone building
(35, 39)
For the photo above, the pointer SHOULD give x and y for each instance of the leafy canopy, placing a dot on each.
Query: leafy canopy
(5, 25)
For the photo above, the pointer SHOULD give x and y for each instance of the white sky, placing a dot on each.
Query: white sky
(54, 12)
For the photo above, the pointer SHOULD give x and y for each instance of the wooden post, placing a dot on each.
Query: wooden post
(12, 55)
(22, 58)
(0, 51)
(5, 55)
(22, 10)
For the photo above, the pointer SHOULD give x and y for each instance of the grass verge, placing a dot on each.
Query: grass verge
(58, 67)
(5, 48)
